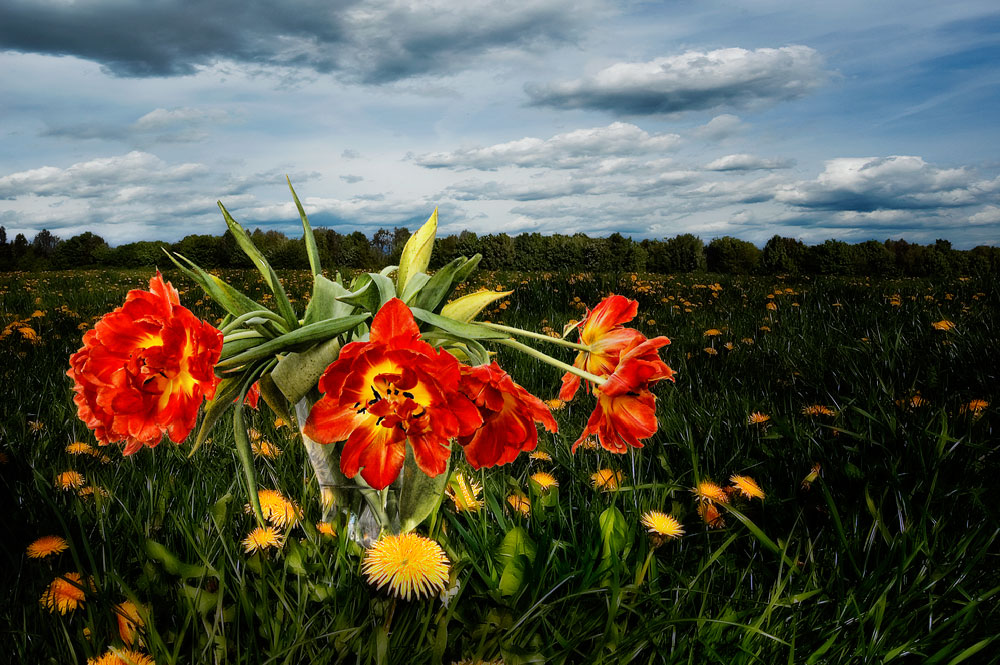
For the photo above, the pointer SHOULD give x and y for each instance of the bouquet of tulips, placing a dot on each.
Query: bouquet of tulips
(386, 377)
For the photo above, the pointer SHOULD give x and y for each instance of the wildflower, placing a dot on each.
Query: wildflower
(91, 490)
(36, 426)
(279, 422)
(943, 324)
(540, 456)
(264, 448)
(544, 480)
(520, 504)
(662, 525)
(409, 564)
(464, 493)
(261, 538)
(129, 622)
(747, 486)
(975, 407)
(817, 410)
(811, 477)
(122, 657)
(28, 333)
(80, 448)
(277, 510)
(709, 492)
(771, 307)
(326, 529)
(712, 332)
(555, 404)
(710, 514)
(747, 340)
(389, 392)
(508, 413)
(606, 480)
(757, 418)
(70, 480)
(47, 546)
(65, 593)
(144, 370)
(710, 351)
(765, 328)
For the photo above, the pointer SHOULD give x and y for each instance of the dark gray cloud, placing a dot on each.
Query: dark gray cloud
(369, 41)
(692, 81)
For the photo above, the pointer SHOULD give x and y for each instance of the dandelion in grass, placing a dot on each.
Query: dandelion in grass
(758, 418)
(661, 526)
(409, 564)
(91, 490)
(326, 529)
(709, 492)
(122, 657)
(70, 480)
(712, 332)
(816, 410)
(975, 407)
(277, 510)
(464, 493)
(36, 426)
(710, 514)
(540, 456)
(65, 593)
(943, 324)
(710, 351)
(765, 328)
(264, 448)
(129, 622)
(555, 404)
(606, 480)
(544, 480)
(261, 539)
(747, 487)
(519, 504)
(80, 448)
(812, 476)
(47, 546)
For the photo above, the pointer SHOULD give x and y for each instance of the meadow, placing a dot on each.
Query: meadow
(866, 411)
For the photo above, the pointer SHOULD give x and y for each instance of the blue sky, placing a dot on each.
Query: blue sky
(849, 120)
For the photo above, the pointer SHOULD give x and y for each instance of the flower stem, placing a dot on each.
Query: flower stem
(260, 313)
(545, 338)
(535, 353)
(241, 334)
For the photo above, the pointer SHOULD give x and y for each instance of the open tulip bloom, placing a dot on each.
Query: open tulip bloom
(386, 378)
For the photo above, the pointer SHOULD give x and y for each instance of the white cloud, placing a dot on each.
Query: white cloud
(746, 162)
(720, 127)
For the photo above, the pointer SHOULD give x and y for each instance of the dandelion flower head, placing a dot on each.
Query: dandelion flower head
(747, 487)
(277, 510)
(64, 594)
(757, 418)
(464, 493)
(409, 564)
(662, 524)
(606, 480)
(520, 504)
(709, 492)
(544, 480)
(710, 514)
(70, 480)
(261, 538)
(122, 657)
(47, 546)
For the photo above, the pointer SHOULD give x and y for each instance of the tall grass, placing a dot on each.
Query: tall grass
(890, 554)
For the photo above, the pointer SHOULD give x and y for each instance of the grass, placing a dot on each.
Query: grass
(889, 555)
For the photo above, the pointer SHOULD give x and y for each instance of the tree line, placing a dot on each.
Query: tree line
(527, 251)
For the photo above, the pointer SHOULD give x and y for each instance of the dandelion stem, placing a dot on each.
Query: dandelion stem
(545, 338)
(535, 353)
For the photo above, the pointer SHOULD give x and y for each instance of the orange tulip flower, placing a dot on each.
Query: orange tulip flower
(144, 369)
(509, 414)
(392, 390)
(619, 421)
(603, 332)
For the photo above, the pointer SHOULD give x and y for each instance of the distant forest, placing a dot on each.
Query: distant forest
(527, 251)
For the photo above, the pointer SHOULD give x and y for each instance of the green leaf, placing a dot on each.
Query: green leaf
(362, 294)
(457, 328)
(414, 286)
(274, 397)
(296, 340)
(416, 254)
(307, 234)
(231, 299)
(515, 575)
(614, 533)
(171, 563)
(437, 288)
(470, 305)
(246, 457)
(225, 394)
(516, 542)
(421, 494)
(467, 268)
(324, 303)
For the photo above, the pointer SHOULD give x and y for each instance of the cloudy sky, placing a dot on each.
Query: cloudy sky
(853, 120)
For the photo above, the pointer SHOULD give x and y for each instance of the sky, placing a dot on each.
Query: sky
(853, 120)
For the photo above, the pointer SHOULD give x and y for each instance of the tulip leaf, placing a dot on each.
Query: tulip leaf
(225, 393)
(245, 455)
(421, 494)
(297, 373)
(467, 268)
(386, 290)
(414, 287)
(232, 300)
(324, 303)
(307, 234)
(438, 286)
(274, 397)
(296, 340)
(457, 328)
(362, 294)
(469, 306)
(416, 254)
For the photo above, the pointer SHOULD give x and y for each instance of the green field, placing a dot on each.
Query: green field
(889, 555)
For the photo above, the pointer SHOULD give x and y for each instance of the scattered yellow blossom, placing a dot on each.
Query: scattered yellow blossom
(757, 418)
(47, 546)
(544, 480)
(747, 486)
(70, 480)
(65, 593)
(409, 564)
(261, 538)
(709, 492)
(606, 480)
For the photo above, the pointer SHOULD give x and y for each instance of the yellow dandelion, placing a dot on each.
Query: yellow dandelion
(279, 423)
(544, 480)
(70, 480)
(36, 426)
(710, 514)
(326, 529)
(129, 622)
(28, 333)
(662, 524)
(590, 443)
(277, 510)
(943, 324)
(47, 546)
(712, 332)
(91, 490)
(710, 351)
(80, 448)
(747, 486)
(409, 564)
(122, 657)
(606, 480)
(254, 434)
(709, 492)
(464, 493)
(747, 340)
(555, 404)
(519, 504)
(260, 539)
(264, 448)
(765, 328)
(541, 456)
(771, 306)
(729, 346)
(917, 402)
(815, 410)
(37, 314)
(65, 593)
(975, 407)
(757, 418)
